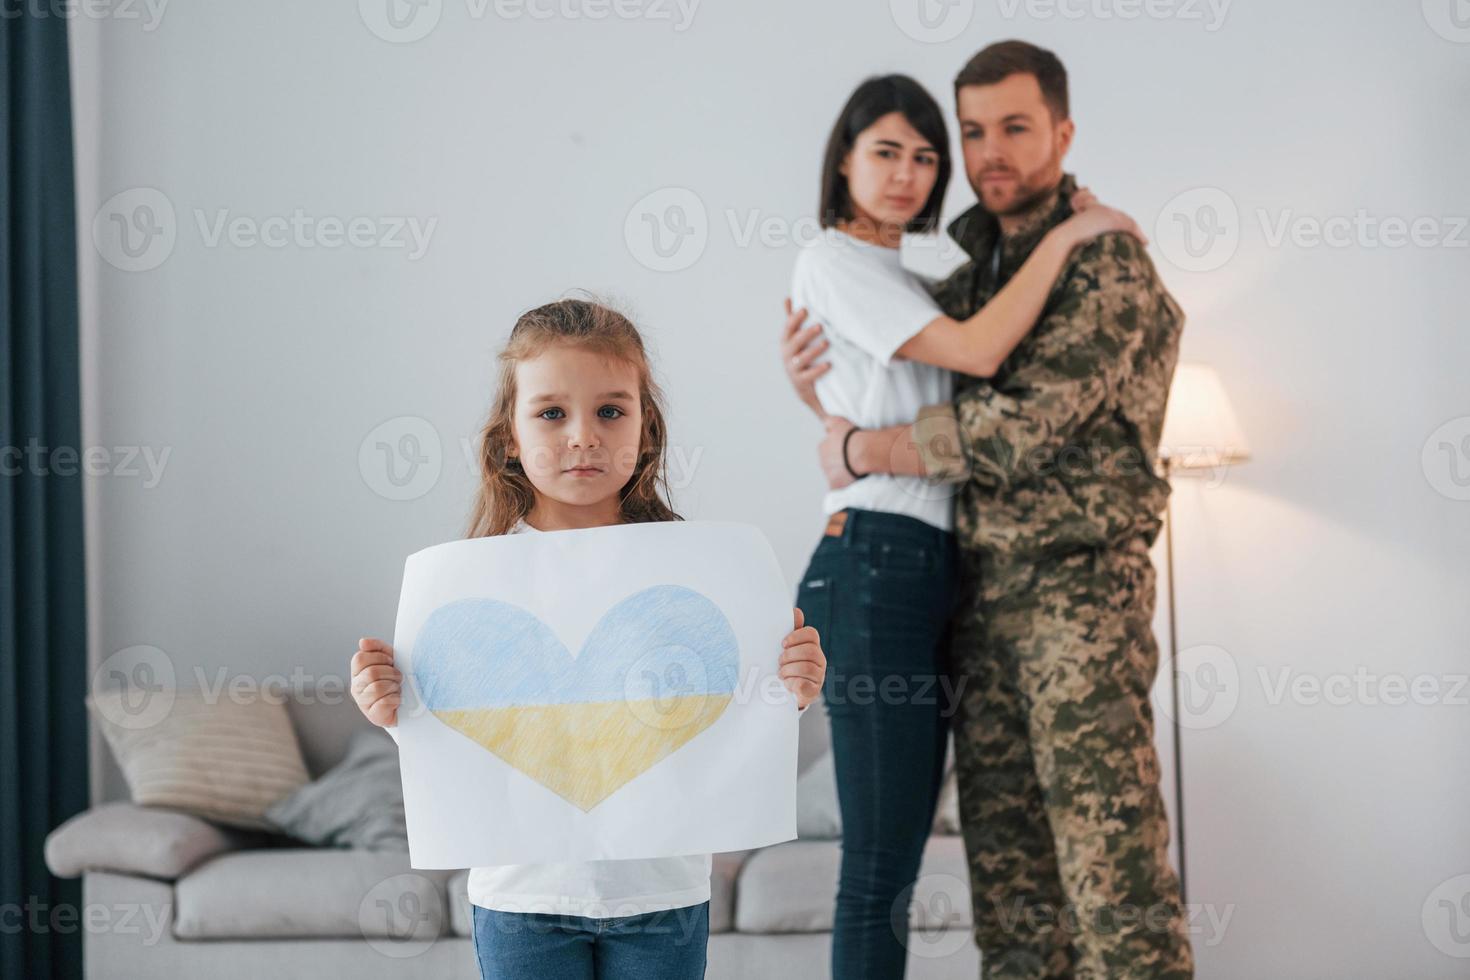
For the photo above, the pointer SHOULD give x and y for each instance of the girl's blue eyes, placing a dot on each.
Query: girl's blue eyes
(617, 413)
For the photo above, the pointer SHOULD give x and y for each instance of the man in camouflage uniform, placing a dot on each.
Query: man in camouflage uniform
(1063, 820)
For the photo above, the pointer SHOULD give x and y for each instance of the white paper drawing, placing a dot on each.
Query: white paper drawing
(598, 694)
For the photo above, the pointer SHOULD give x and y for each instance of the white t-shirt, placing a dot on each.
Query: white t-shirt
(594, 889)
(869, 305)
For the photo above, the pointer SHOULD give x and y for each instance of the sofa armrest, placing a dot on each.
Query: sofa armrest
(138, 840)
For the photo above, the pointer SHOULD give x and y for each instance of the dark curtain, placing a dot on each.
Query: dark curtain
(43, 656)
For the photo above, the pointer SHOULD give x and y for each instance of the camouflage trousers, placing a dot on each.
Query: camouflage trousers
(1063, 821)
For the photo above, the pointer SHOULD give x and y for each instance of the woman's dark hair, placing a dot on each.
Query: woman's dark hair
(874, 99)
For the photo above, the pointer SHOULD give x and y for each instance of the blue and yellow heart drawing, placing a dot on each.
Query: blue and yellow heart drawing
(658, 668)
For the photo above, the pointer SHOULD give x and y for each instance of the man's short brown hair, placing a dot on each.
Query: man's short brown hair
(1006, 58)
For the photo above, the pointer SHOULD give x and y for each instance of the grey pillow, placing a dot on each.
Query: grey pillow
(357, 803)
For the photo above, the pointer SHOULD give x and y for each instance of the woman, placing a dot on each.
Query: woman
(879, 586)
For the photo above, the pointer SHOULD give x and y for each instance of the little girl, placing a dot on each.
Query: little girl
(576, 439)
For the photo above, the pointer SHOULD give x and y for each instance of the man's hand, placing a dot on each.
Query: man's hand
(830, 452)
(799, 348)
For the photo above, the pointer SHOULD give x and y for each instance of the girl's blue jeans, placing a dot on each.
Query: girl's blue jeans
(667, 945)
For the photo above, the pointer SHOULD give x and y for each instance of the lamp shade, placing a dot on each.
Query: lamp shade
(1200, 430)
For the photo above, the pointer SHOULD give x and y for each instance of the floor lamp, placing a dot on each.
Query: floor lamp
(1200, 438)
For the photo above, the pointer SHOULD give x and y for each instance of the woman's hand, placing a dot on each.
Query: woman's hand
(799, 348)
(377, 685)
(803, 665)
(1092, 219)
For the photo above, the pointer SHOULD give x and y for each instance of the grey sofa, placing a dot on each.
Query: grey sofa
(170, 895)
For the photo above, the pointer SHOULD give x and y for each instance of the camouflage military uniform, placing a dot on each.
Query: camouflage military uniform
(1063, 820)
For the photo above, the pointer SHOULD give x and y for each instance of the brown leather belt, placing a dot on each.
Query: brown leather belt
(836, 523)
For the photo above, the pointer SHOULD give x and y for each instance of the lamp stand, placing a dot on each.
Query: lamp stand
(1174, 688)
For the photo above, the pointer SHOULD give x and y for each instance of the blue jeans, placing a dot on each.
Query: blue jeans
(881, 596)
(667, 945)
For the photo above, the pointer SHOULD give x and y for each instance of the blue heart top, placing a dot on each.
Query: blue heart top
(665, 641)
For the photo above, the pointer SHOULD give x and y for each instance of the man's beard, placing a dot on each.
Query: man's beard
(1031, 189)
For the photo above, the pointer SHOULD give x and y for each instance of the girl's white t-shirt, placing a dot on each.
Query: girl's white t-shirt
(869, 305)
(594, 889)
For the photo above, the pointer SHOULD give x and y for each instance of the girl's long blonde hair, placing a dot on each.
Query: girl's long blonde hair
(506, 495)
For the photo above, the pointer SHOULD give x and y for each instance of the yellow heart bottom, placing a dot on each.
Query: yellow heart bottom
(584, 751)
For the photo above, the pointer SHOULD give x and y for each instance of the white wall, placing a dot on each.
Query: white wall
(1322, 830)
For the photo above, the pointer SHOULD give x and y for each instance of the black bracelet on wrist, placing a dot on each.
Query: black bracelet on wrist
(845, 462)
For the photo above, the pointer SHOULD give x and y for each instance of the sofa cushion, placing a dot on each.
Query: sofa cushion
(725, 868)
(132, 839)
(221, 758)
(357, 804)
(792, 887)
(290, 892)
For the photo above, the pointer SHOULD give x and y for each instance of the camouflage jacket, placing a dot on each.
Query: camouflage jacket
(1056, 451)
